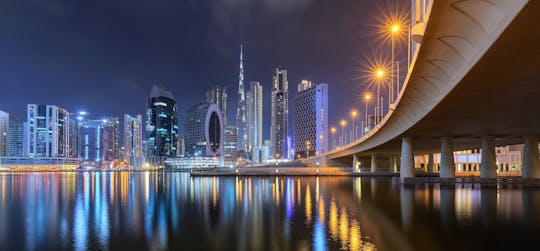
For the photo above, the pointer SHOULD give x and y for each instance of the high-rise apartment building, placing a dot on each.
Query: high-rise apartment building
(16, 137)
(218, 95)
(4, 134)
(280, 114)
(99, 141)
(161, 125)
(230, 152)
(133, 146)
(310, 119)
(73, 137)
(254, 114)
(47, 131)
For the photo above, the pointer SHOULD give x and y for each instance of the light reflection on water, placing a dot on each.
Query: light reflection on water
(160, 211)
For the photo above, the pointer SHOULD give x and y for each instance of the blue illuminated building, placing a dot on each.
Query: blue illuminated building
(99, 141)
(161, 125)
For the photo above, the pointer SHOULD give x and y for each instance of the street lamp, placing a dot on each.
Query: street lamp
(353, 116)
(379, 77)
(307, 147)
(395, 30)
(333, 131)
(343, 124)
(367, 97)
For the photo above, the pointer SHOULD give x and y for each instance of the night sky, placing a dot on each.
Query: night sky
(103, 56)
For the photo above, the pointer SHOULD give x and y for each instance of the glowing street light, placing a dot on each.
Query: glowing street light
(393, 32)
(307, 147)
(367, 97)
(353, 116)
(395, 28)
(379, 77)
(333, 131)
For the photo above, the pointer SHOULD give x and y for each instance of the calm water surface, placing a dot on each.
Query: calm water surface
(173, 211)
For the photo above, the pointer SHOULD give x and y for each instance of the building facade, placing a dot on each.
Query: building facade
(218, 95)
(230, 152)
(260, 154)
(254, 114)
(47, 133)
(203, 131)
(280, 114)
(100, 144)
(16, 137)
(180, 147)
(133, 147)
(4, 134)
(161, 125)
(310, 119)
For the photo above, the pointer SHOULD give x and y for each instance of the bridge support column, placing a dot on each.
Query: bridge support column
(488, 165)
(374, 164)
(431, 164)
(407, 159)
(530, 162)
(393, 163)
(448, 169)
(356, 164)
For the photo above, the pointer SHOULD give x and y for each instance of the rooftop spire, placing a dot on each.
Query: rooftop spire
(241, 111)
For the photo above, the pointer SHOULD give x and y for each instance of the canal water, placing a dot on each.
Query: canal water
(173, 211)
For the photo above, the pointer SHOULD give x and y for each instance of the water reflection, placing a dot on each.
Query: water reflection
(159, 211)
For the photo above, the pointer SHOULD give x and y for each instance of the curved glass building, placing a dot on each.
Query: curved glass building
(203, 131)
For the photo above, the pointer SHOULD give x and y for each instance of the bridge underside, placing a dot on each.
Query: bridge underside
(499, 96)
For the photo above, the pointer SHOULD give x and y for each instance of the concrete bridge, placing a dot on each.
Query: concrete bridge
(474, 82)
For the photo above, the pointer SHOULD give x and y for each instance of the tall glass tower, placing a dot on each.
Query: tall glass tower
(47, 133)
(241, 122)
(280, 114)
(4, 134)
(254, 114)
(161, 125)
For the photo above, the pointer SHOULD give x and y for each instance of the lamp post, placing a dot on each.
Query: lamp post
(353, 118)
(333, 131)
(395, 29)
(379, 76)
(343, 124)
(307, 151)
(367, 97)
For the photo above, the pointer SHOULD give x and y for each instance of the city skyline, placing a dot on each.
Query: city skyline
(269, 125)
(108, 72)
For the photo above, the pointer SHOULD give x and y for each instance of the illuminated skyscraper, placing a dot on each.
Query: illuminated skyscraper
(310, 119)
(4, 134)
(47, 133)
(230, 152)
(241, 122)
(161, 125)
(218, 95)
(133, 139)
(280, 113)
(99, 140)
(15, 137)
(254, 114)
